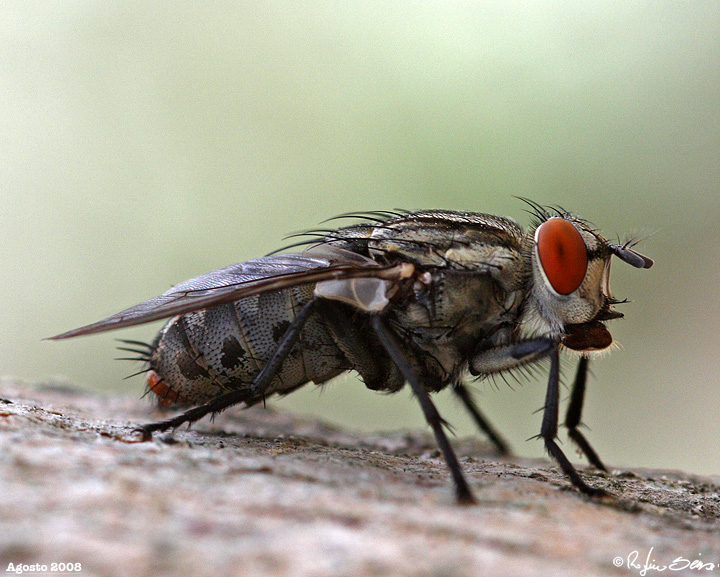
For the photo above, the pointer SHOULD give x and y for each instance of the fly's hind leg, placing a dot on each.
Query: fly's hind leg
(256, 389)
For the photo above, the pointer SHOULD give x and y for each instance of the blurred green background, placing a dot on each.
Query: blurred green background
(144, 143)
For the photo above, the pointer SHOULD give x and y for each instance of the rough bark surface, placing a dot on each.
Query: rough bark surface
(259, 492)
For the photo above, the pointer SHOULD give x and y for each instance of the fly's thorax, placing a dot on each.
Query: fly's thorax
(449, 312)
(569, 275)
(437, 238)
(465, 284)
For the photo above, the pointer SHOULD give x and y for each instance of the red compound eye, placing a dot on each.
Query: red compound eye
(563, 254)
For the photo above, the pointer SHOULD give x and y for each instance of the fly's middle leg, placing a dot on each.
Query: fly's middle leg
(480, 420)
(412, 374)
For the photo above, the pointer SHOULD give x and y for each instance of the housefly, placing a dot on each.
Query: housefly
(422, 298)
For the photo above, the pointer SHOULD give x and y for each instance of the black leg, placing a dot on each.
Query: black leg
(548, 430)
(508, 357)
(256, 390)
(466, 397)
(412, 374)
(574, 414)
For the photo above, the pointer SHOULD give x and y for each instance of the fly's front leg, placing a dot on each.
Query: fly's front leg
(412, 374)
(515, 355)
(497, 359)
(574, 413)
(548, 430)
(506, 357)
(256, 389)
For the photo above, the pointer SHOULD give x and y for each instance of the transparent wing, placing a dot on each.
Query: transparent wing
(242, 280)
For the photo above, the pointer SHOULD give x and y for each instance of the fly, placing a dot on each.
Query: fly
(422, 298)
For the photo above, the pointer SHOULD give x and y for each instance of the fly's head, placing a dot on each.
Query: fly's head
(569, 294)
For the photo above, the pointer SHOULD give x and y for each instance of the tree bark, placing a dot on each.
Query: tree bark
(259, 492)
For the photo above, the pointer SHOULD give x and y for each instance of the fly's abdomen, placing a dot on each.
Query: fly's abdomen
(201, 355)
